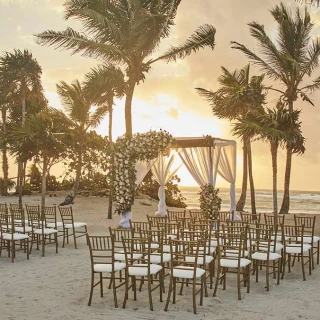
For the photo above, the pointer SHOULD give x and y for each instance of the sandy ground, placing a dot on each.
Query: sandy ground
(56, 287)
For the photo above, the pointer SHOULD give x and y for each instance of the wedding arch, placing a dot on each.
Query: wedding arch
(204, 157)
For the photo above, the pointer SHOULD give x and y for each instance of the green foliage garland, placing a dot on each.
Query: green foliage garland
(210, 202)
(127, 151)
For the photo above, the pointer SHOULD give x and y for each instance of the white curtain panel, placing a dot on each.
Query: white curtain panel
(227, 170)
(161, 170)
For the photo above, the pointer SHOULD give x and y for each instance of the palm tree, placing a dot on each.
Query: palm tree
(311, 2)
(127, 33)
(23, 71)
(279, 128)
(41, 139)
(103, 84)
(238, 95)
(77, 103)
(288, 60)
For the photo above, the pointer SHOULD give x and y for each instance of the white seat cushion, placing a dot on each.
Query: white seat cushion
(141, 270)
(156, 257)
(226, 263)
(100, 267)
(295, 248)
(45, 231)
(187, 272)
(52, 225)
(21, 229)
(309, 239)
(208, 259)
(16, 236)
(76, 225)
(120, 256)
(264, 256)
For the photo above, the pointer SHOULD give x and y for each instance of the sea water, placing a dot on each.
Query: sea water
(300, 201)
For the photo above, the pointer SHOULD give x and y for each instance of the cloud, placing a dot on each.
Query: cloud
(173, 113)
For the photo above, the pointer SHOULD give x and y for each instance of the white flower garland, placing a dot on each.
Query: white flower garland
(210, 202)
(127, 151)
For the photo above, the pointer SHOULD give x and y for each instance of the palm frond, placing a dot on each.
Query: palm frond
(203, 37)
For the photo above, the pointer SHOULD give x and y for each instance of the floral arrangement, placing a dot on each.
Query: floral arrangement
(210, 202)
(127, 151)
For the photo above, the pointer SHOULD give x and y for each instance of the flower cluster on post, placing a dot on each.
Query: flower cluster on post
(210, 202)
(127, 151)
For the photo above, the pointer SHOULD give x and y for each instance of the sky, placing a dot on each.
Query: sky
(168, 99)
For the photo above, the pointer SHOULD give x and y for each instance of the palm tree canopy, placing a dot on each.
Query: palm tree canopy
(237, 95)
(311, 2)
(292, 57)
(125, 32)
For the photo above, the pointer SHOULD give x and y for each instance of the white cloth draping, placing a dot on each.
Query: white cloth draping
(227, 170)
(162, 173)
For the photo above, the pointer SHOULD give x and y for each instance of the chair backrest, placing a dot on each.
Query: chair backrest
(185, 221)
(34, 214)
(169, 228)
(101, 250)
(272, 220)
(224, 216)
(250, 218)
(118, 234)
(50, 216)
(197, 214)
(17, 219)
(3, 207)
(173, 214)
(139, 225)
(5, 222)
(15, 206)
(309, 224)
(66, 214)
(153, 220)
(292, 235)
(156, 237)
(262, 239)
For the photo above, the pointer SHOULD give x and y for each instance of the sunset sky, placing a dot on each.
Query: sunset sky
(168, 99)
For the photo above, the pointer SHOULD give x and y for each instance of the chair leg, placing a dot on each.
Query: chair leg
(194, 302)
(134, 289)
(248, 279)
(302, 265)
(279, 269)
(64, 237)
(284, 261)
(56, 240)
(91, 290)
(150, 292)
(311, 262)
(267, 275)
(74, 238)
(13, 251)
(174, 290)
(318, 252)
(238, 284)
(113, 279)
(169, 293)
(203, 280)
(217, 283)
(161, 279)
(126, 293)
(101, 285)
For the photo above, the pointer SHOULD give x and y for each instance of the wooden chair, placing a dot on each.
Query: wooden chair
(13, 230)
(232, 258)
(139, 225)
(250, 218)
(41, 234)
(103, 264)
(270, 219)
(197, 215)
(309, 224)
(173, 214)
(153, 220)
(263, 252)
(141, 267)
(295, 246)
(67, 219)
(224, 216)
(184, 267)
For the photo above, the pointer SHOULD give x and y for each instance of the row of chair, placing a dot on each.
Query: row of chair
(38, 226)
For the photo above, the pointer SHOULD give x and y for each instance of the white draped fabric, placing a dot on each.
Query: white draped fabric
(162, 173)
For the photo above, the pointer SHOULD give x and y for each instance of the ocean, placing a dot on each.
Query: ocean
(301, 201)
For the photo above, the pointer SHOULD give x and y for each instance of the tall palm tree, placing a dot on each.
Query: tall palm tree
(104, 83)
(289, 60)
(237, 96)
(77, 104)
(127, 33)
(23, 71)
(279, 128)
(41, 139)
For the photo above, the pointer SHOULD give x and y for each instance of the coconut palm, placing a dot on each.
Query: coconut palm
(237, 96)
(104, 83)
(289, 60)
(126, 33)
(279, 128)
(41, 139)
(21, 70)
(77, 104)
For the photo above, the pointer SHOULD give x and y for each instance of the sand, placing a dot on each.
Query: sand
(56, 287)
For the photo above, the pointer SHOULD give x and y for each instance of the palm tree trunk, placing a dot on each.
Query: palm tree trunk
(242, 200)
(252, 191)
(23, 117)
(79, 168)
(5, 165)
(128, 104)
(111, 160)
(274, 150)
(44, 181)
(286, 194)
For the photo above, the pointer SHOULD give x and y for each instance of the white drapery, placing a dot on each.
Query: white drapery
(161, 171)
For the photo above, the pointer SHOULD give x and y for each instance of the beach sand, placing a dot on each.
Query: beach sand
(56, 287)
